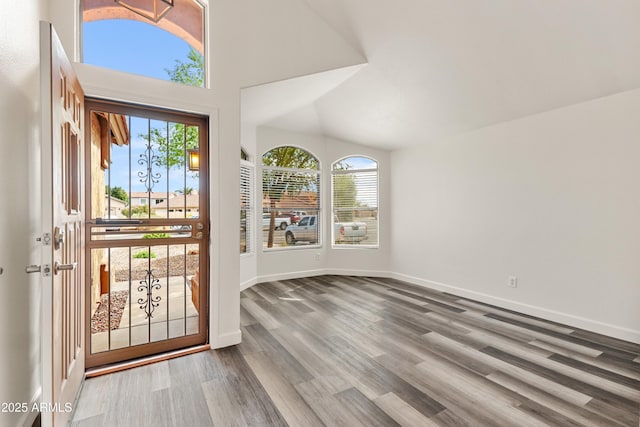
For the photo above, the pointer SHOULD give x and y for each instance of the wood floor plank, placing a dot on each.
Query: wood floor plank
(91, 402)
(94, 421)
(606, 397)
(620, 369)
(236, 397)
(377, 380)
(448, 398)
(503, 408)
(588, 376)
(340, 350)
(608, 341)
(462, 355)
(623, 354)
(364, 409)
(246, 318)
(165, 413)
(531, 320)
(547, 400)
(291, 405)
(135, 405)
(313, 362)
(326, 406)
(632, 383)
(401, 412)
(559, 391)
(267, 320)
(291, 368)
(622, 363)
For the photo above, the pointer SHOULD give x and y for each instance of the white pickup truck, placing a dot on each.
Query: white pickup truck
(306, 230)
(281, 221)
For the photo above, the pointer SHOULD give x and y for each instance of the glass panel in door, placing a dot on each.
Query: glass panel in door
(147, 231)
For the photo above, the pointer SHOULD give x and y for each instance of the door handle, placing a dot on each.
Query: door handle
(64, 267)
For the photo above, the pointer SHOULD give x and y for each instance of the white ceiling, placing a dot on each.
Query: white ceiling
(440, 67)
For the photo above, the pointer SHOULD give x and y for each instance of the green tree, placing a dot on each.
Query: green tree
(279, 182)
(345, 193)
(173, 142)
(119, 193)
(190, 72)
(172, 151)
(185, 190)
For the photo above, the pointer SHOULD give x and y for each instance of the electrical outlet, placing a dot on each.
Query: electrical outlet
(513, 282)
(317, 257)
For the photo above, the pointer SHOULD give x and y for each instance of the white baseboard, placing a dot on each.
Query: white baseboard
(248, 283)
(226, 340)
(290, 275)
(350, 272)
(543, 313)
(312, 273)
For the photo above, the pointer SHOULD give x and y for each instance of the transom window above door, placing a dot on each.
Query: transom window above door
(163, 39)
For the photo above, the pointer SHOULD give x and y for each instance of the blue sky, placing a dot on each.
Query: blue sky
(137, 48)
(132, 46)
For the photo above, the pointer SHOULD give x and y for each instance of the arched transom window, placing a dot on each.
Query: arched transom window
(155, 38)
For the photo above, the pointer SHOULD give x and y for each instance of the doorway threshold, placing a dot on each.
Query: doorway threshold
(129, 364)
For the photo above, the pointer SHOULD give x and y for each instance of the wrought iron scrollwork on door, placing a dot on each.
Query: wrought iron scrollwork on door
(147, 160)
(149, 303)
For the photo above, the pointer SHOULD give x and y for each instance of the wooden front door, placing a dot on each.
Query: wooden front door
(62, 225)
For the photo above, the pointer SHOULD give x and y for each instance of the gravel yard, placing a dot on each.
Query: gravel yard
(121, 260)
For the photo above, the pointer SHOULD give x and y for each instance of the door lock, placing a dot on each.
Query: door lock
(45, 239)
(58, 237)
(44, 269)
(32, 269)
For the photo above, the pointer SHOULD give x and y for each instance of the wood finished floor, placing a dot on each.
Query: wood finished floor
(347, 351)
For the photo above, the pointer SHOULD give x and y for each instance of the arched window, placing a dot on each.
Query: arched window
(165, 41)
(291, 198)
(354, 189)
(246, 203)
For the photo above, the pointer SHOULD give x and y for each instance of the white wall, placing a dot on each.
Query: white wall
(551, 199)
(296, 262)
(244, 49)
(19, 220)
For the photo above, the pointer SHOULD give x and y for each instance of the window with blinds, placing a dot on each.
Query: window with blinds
(291, 198)
(354, 189)
(246, 203)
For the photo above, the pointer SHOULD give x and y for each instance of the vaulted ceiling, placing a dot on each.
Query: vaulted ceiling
(437, 68)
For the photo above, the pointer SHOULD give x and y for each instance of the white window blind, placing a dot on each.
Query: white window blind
(291, 196)
(246, 203)
(354, 188)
